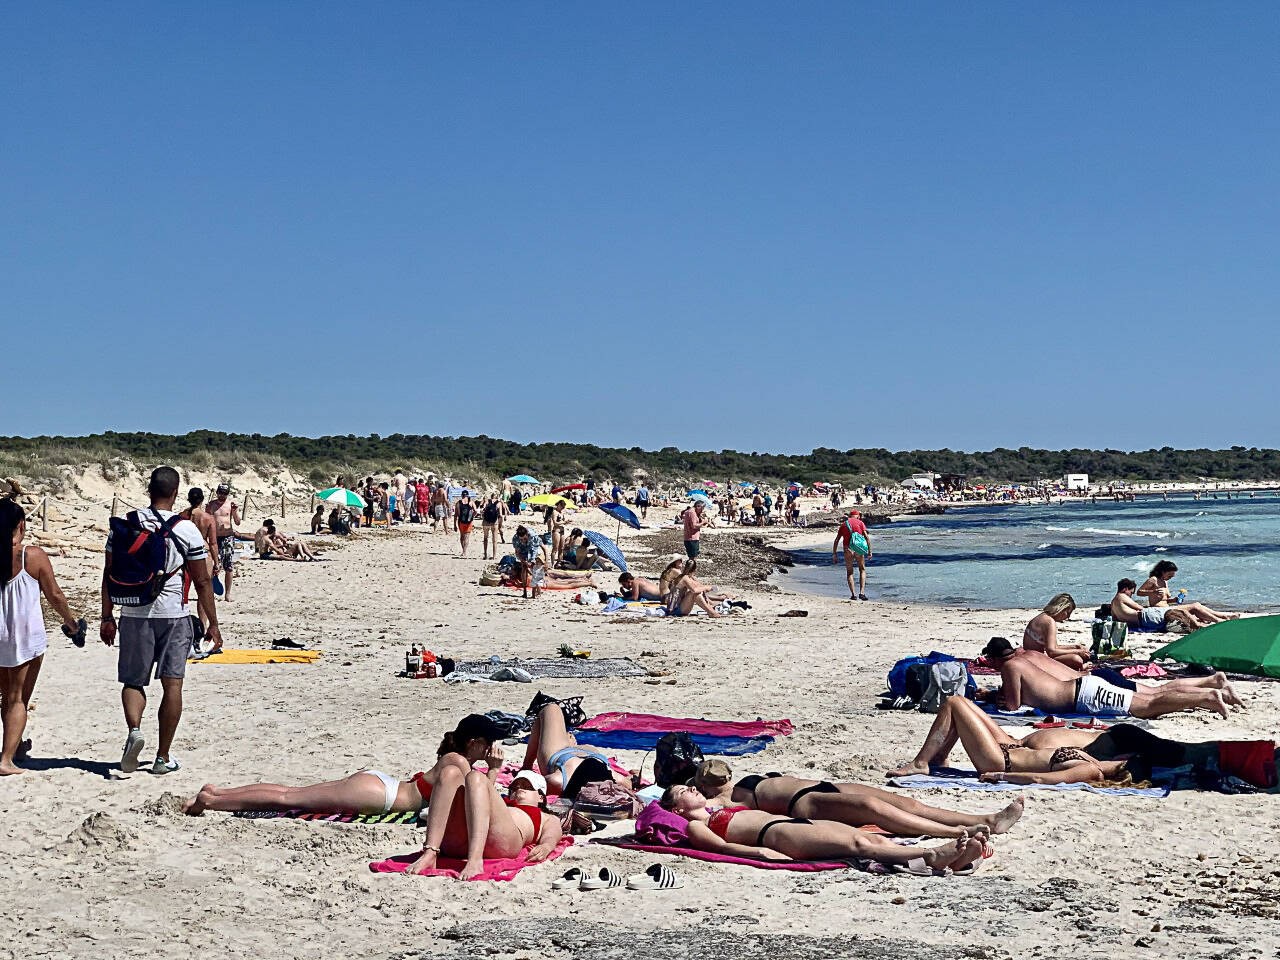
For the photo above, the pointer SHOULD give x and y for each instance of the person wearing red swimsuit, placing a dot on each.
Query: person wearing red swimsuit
(367, 791)
(743, 832)
(469, 819)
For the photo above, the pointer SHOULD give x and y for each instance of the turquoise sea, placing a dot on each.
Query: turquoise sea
(1227, 552)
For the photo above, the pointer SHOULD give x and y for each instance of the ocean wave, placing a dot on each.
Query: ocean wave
(1106, 531)
(1058, 529)
(1044, 546)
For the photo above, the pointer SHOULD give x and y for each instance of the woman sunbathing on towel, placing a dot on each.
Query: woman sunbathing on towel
(854, 804)
(368, 791)
(742, 832)
(1049, 756)
(687, 592)
(482, 824)
(682, 571)
(567, 766)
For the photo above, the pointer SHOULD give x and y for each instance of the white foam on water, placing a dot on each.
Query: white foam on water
(1105, 531)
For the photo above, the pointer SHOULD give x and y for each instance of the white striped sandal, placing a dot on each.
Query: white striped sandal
(603, 880)
(657, 877)
(572, 877)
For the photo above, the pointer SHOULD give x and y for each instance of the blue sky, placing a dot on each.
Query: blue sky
(749, 226)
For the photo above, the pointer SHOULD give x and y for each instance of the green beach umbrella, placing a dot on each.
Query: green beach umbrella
(1247, 645)
(341, 496)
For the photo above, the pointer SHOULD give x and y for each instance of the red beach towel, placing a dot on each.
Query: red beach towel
(653, 723)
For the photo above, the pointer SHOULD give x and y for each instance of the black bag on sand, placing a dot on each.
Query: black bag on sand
(676, 759)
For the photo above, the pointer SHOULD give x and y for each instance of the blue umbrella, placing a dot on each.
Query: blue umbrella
(700, 496)
(621, 514)
(608, 549)
(522, 478)
(698, 492)
(746, 483)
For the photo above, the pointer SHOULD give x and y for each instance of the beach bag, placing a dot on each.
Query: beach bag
(857, 542)
(466, 513)
(136, 572)
(491, 512)
(948, 678)
(676, 759)
(491, 577)
(603, 800)
(898, 674)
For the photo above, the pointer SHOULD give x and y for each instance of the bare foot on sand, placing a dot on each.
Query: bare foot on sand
(969, 853)
(196, 805)
(908, 769)
(1006, 818)
(1229, 694)
(10, 770)
(1219, 705)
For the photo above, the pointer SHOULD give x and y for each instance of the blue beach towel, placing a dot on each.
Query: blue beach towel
(630, 740)
(968, 780)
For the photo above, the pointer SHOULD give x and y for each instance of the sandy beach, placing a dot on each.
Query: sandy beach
(97, 864)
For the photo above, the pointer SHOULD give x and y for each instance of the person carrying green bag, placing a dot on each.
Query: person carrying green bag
(856, 543)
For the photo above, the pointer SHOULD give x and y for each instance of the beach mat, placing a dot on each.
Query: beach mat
(557, 668)
(804, 866)
(953, 778)
(261, 656)
(402, 816)
(501, 869)
(635, 740)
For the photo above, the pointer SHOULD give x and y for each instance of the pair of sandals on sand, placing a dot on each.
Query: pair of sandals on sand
(657, 876)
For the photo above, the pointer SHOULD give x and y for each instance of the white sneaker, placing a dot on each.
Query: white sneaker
(132, 750)
(165, 766)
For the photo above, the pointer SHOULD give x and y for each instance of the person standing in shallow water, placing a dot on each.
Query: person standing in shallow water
(25, 573)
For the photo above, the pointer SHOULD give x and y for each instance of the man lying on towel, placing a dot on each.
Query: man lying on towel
(1034, 680)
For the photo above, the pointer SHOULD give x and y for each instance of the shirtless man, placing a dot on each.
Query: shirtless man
(208, 530)
(226, 514)
(638, 588)
(440, 508)
(1026, 681)
(1128, 610)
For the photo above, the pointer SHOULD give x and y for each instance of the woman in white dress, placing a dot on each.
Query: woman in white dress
(25, 573)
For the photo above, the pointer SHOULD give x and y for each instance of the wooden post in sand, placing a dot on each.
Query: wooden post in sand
(245, 512)
(282, 505)
(44, 515)
(115, 499)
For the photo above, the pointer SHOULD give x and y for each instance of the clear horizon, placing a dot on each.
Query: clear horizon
(833, 226)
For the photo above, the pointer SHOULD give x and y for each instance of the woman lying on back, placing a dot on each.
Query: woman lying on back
(742, 832)
(854, 804)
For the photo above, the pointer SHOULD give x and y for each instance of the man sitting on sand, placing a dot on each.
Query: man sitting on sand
(1026, 682)
(1153, 619)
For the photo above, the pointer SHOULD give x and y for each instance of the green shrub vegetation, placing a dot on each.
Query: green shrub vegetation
(322, 458)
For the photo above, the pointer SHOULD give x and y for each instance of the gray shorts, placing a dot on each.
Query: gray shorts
(161, 643)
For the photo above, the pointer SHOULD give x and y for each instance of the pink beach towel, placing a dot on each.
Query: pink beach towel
(653, 723)
(502, 869)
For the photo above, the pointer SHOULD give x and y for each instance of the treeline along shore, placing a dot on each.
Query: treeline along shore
(323, 457)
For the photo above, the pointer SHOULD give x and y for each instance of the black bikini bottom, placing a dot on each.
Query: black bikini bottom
(590, 770)
(752, 780)
(777, 823)
(824, 787)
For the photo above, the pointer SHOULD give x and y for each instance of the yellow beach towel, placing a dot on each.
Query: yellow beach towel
(262, 656)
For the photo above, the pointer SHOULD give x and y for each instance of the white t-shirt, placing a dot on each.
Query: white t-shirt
(168, 605)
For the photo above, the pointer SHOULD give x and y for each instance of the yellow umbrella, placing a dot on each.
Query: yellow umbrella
(548, 500)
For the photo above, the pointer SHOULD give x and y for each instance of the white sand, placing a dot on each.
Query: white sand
(102, 867)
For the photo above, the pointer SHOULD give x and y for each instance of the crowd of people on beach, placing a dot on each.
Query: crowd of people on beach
(156, 557)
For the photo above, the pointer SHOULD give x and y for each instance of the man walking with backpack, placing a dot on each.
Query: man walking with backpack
(853, 536)
(146, 550)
